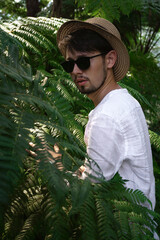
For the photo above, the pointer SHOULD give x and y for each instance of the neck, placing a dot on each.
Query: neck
(109, 85)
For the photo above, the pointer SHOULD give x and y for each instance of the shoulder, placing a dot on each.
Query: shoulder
(117, 105)
(118, 110)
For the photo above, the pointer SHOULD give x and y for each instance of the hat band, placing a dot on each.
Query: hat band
(99, 26)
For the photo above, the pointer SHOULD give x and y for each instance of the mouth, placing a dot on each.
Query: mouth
(81, 81)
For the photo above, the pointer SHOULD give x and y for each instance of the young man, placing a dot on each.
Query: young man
(116, 134)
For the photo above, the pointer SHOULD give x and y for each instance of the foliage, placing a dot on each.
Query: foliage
(108, 9)
(11, 10)
(144, 77)
(155, 141)
(26, 111)
(37, 36)
(138, 21)
(40, 211)
(38, 201)
(139, 30)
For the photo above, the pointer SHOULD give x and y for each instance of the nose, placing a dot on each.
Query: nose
(76, 69)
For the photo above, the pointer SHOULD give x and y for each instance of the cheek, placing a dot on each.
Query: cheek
(98, 72)
(72, 76)
(97, 65)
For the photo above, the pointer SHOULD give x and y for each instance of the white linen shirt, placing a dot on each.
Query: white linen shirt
(117, 139)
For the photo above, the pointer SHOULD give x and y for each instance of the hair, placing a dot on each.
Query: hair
(86, 40)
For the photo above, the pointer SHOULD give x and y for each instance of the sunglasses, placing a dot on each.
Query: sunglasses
(83, 63)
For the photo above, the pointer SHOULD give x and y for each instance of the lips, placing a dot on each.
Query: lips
(81, 81)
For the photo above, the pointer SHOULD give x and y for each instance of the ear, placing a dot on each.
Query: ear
(111, 58)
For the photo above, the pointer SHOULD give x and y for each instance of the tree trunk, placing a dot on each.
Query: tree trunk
(57, 7)
(32, 7)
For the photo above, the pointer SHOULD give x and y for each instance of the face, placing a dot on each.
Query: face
(90, 80)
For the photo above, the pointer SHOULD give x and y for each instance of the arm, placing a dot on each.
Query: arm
(105, 146)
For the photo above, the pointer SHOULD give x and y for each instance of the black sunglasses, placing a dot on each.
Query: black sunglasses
(82, 62)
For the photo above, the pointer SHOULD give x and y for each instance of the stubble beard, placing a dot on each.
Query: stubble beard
(93, 89)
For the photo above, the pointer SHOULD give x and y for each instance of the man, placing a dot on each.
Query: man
(116, 134)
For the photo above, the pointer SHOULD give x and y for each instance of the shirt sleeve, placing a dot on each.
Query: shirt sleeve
(105, 146)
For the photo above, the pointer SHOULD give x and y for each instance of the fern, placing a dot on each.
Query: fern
(155, 140)
(108, 9)
(26, 109)
(138, 96)
(89, 228)
(37, 36)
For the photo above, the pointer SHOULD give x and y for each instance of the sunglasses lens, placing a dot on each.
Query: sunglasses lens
(83, 63)
(68, 66)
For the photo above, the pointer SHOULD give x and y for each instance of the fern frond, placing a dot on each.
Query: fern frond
(27, 44)
(155, 140)
(138, 96)
(46, 23)
(105, 220)
(29, 33)
(88, 219)
(108, 9)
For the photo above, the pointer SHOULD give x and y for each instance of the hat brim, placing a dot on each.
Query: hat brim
(122, 64)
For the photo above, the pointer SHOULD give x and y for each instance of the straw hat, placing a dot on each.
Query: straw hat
(107, 30)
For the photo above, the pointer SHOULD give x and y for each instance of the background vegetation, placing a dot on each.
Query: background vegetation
(40, 104)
